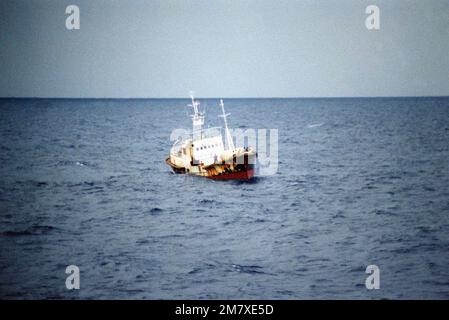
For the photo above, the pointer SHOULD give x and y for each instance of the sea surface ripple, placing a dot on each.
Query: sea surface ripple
(359, 182)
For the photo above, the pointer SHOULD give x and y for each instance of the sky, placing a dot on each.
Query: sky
(239, 48)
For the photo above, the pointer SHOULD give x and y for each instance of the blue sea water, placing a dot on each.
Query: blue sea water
(359, 182)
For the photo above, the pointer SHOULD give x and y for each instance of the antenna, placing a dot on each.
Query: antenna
(229, 141)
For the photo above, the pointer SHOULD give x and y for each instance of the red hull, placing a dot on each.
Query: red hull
(241, 175)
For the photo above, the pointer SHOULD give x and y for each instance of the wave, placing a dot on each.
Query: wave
(251, 269)
(34, 230)
(155, 210)
(79, 163)
(207, 201)
(383, 212)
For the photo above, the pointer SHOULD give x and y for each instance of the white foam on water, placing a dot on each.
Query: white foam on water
(314, 125)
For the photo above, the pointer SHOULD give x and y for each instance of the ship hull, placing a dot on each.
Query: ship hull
(244, 171)
(237, 175)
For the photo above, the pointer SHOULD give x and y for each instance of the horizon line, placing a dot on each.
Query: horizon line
(199, 97)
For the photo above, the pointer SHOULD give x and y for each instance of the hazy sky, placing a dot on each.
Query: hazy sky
(224, 48)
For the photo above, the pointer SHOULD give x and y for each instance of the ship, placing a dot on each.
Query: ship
(204, 152)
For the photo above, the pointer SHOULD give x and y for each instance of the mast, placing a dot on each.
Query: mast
(197, 118)
(229, 141)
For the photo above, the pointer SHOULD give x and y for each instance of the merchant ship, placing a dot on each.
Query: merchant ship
(205, 153)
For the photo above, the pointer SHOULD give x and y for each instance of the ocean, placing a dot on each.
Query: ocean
(360, 181)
